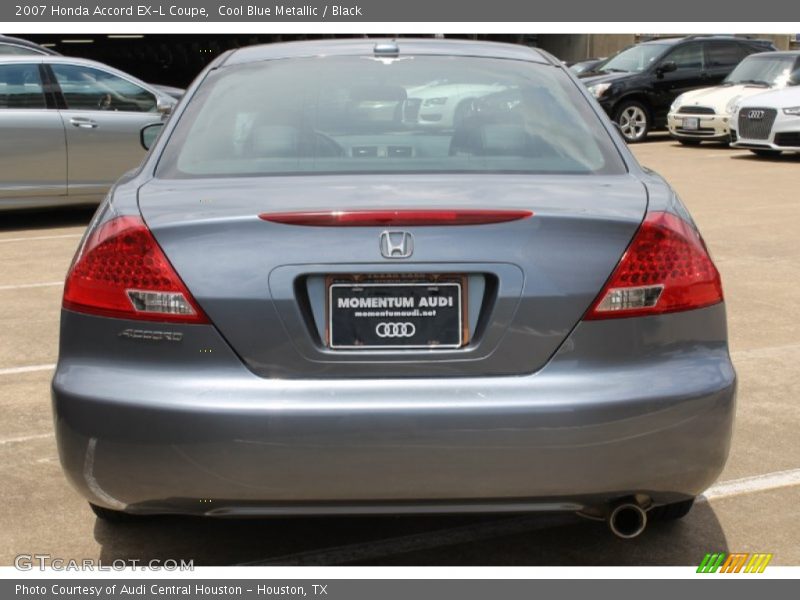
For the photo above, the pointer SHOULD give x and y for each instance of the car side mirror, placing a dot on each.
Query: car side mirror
(794, 78)
(164, 105)
(149, 134)
(666, 67)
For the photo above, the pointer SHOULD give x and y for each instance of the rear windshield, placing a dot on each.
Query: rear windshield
(409, 114)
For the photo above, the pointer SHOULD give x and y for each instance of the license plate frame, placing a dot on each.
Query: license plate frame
(454, 333)
(691, 123)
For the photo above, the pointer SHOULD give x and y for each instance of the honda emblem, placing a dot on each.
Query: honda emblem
(396, 244)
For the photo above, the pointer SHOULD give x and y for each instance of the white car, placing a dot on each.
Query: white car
(705, 114)
(444, 104)
(769, 123)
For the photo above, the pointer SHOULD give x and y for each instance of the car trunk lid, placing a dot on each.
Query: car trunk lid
(265, 285)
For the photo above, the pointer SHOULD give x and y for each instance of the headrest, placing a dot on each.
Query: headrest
(504, 140)
(275, 140)
(493, 139)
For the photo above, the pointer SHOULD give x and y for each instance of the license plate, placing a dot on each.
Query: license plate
(395, 315)
(691, 123)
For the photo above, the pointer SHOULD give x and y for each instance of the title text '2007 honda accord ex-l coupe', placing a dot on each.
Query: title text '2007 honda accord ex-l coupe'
(306, 302)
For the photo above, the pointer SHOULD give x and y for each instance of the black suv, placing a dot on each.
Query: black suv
(637, 85)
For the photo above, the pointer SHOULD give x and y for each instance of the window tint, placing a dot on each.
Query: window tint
(86, 88)
(412, 114)
(21, 87)
(723, 54)
(688, 56)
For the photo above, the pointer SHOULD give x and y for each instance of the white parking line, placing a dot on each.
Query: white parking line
(28, 369)
(26, 438)
(763, 352)
(41, 237)
(22, 286)
(751, 485)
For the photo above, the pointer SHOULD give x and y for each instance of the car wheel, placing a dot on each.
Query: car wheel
(633, 119)
(766, 153)
(671, 512)
(112, 516)
(689, 142)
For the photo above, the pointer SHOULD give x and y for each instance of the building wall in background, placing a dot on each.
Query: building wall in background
(579, 46)
(782, 41)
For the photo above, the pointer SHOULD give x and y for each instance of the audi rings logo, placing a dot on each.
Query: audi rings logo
(395, 330)
(755, 115)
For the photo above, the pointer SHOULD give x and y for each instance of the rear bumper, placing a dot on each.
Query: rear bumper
(589, 427)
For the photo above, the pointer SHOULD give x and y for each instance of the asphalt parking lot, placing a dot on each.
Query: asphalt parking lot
(748, 210)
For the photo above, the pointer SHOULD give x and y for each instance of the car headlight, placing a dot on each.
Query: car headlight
(676, 104)
(792, 110)
(732, 106)
(598, 89)
(435, 101)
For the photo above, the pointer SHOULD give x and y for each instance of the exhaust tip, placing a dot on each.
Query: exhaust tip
(627, 520)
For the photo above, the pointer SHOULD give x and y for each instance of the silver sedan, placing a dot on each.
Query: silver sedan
(69, 128)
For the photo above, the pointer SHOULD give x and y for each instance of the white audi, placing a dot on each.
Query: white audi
(445, 104)
(769, 123)
(705, 114)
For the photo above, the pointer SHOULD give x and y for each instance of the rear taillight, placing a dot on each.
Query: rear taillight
(122, 272)
(665, 269)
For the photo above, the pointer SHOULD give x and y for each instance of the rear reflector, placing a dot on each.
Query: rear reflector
(121, 271)
(396, 218)
(665, 269)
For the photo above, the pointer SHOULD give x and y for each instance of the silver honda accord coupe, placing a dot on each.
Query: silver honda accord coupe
(305, 301)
